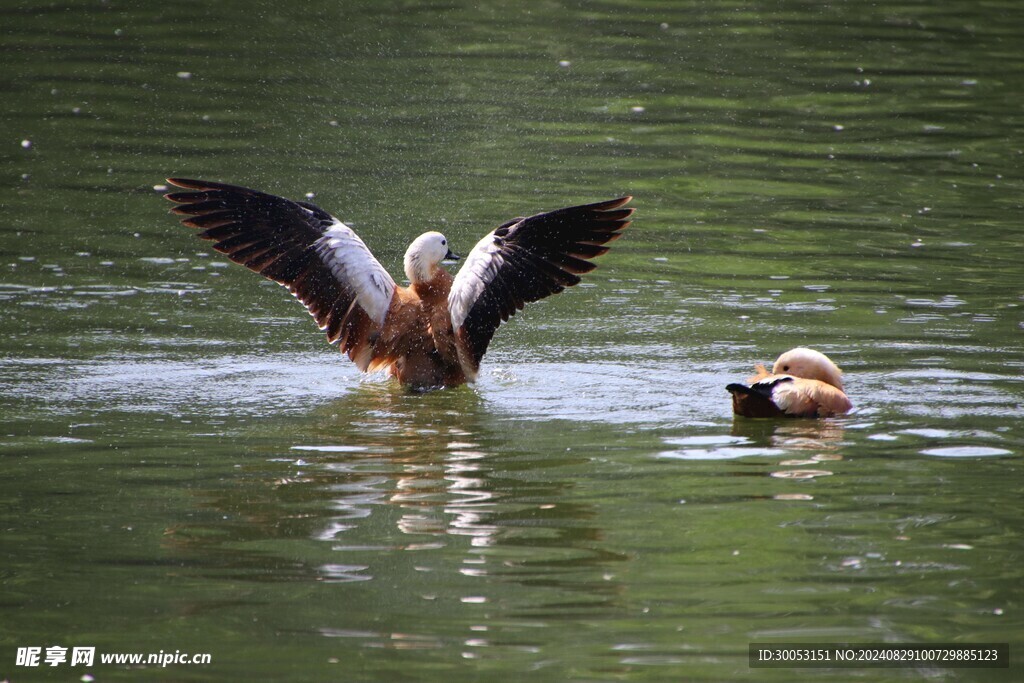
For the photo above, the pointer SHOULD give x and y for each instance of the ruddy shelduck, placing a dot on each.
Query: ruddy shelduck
(432, 333)
(802, 383)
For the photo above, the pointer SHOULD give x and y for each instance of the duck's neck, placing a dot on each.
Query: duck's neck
(435, 288)
(417, 269)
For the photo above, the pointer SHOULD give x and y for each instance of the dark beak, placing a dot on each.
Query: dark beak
(451, 256)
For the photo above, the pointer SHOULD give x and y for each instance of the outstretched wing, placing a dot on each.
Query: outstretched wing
(524, 260)
(317, 257)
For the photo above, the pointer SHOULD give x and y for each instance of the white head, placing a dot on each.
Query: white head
(808, 364)
(424, 255)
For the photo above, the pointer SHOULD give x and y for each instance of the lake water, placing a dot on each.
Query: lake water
(189, 468)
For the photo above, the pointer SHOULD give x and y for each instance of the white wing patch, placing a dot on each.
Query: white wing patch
(781, 389)
(796, 397)
(476, 273)
(355, 268)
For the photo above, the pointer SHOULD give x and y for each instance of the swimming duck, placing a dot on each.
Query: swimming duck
(432, 333)
(803, 383)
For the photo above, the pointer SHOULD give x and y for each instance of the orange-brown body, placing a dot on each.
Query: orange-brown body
(417, 339)
(802, 383)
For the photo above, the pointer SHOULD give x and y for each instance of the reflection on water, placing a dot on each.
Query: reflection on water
(762, 437)
(816, 441)
(401, 479)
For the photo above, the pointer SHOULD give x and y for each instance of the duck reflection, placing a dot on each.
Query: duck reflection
(823, 436)
(810, 444)
(425, 451)
(427, 482)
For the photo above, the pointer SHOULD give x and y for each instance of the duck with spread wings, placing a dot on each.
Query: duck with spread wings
(433, 333)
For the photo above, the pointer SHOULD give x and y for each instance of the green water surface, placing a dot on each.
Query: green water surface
(188, 467)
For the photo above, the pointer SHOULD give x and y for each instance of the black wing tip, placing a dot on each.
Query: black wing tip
(198, 191)
(202, 186)
(608, 205)
(613, 203)
(190, 183)
(617, 207)
(760, 388)
(612, 216)
(613, 206)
